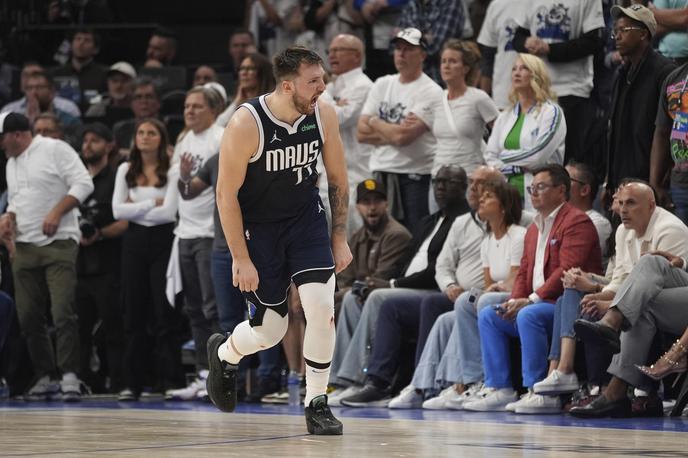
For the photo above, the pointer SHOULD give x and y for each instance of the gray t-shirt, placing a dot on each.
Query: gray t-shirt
(208, 175)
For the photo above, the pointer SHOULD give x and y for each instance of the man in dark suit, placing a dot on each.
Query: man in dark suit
(560, 238)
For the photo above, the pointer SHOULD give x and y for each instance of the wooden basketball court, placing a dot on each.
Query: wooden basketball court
(154, 429)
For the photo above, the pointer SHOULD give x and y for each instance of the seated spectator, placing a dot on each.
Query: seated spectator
(98, 264)
(46, 181)
(500, 255)
(532, 132)
(562, 237)
(376, 247)
(144, 104)
(255, 78)
(649, 229)
(461, 119)
(404, 151)
(81, 79)
(162, 48)
(48, 125)
(146, 195)
(414, 279)
(39, 97)
(116, 104)
(241, 43)
(204, 74)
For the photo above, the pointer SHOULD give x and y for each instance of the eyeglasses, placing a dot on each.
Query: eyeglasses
(538, 188)
(619, 30)
(247, 68)
(338, 50)
(582, 183)
(446, 182)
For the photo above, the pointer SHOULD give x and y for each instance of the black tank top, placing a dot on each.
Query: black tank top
(281, 177)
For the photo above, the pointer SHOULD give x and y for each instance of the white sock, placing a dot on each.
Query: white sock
(226, 353)
(316, 383)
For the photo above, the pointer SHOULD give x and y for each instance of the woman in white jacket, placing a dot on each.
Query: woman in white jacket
(532, 132)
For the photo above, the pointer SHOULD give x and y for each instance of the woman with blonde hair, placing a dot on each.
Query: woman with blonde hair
(460, 121)
(532, 132)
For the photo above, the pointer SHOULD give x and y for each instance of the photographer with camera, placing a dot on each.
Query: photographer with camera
(98, 266)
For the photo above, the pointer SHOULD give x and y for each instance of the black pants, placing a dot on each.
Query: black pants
(98, 301)
(580, 116)
(145, 254)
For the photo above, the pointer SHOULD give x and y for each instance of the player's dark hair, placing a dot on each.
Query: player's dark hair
(287, 63)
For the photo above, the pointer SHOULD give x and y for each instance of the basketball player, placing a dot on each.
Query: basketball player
(276, 227)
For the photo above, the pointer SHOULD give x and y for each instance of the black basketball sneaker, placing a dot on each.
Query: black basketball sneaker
(319, 418)
(221, 382)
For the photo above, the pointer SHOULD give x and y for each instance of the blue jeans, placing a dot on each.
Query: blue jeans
(679, 196)
(566, 311)
(414, 198)
(533, 325)
(231, 310)
(470, 359)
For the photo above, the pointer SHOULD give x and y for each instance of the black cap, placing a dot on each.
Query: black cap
(99, 129)
(14, 122)
(370, 186)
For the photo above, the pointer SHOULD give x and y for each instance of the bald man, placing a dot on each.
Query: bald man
(347, 92)
(647, 294)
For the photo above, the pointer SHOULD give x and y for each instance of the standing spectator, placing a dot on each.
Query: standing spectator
(241, 44)
(405, 148)
(566, 33)
(326, 19)
(195, 230)
(496, 45)
(532, 132)
(162, 48)
(46, 181)
(116, 105)
(560, 238)
(348, 93)
(672, 20)
(98, 263)
(382, 18)
(275, 24)
(40, 97)
(146, 196)
(461, 119)
(635, 96)
(145, 103)
(81, 79)
(48, 125)
(255, 78)
(439, 20)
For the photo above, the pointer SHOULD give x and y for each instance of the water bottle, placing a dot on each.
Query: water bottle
(294, 388)
(4, 390)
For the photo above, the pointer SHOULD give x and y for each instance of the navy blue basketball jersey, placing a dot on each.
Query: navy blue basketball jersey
(281, 176)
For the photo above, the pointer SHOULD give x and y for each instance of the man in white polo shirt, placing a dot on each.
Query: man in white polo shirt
(46, 181)
(395, 119)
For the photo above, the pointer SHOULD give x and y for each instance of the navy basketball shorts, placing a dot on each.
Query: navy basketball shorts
(298, 249)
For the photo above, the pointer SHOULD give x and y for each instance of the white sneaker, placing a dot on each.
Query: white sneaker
(70, 387)
(491, 400)
(557, 383)
(467, 396)
(188, 393)
(531, 403)
(334, 398)
(43, 390)
(439, 402)
(409, 398)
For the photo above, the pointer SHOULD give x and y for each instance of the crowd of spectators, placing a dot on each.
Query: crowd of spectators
(502, 156)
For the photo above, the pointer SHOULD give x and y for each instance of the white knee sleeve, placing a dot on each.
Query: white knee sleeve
(318, 307)
(248, 340)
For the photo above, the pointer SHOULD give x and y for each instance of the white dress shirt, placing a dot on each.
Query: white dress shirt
(544, 226)
(37, 180)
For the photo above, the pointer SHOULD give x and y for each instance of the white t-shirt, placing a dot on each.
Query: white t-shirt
(498, 31)
(465, 146)
(276, 38)
(392, 101)
(196, 215)
(558, 21)
(501, 255)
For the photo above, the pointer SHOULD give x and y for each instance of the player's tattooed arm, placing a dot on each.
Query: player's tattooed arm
(339, 204)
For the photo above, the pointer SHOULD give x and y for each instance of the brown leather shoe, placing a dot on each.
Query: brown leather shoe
(602, 407)
(647, 406)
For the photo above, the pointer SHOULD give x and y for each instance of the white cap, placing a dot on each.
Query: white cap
(124, 68)
(411, 35)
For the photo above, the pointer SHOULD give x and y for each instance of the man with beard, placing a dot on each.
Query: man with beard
(98, 263)
(377, 246)
(276, 228)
